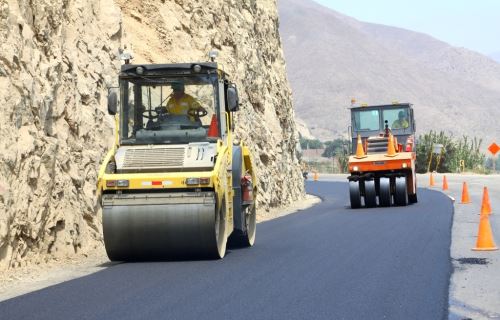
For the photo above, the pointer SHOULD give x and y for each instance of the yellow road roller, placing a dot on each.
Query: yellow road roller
(175, 185)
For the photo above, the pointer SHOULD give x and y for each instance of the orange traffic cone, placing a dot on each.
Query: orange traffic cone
(360, 152)
(213, 130)
(445, 183)
(316, 176)
(485, 237)
(465, 194)
(431, 180)
(391, 151)
(485, 204)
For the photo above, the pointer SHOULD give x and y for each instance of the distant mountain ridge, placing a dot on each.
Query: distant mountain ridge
(332, 58)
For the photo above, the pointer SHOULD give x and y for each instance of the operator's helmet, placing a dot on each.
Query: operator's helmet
(178, 86)
(401, 115)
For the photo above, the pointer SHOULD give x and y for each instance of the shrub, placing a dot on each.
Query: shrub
(453, 152)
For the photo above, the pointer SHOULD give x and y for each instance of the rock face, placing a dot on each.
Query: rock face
(55, 64)
(57, 57)
(246, 35)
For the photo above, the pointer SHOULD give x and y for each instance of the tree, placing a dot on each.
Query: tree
(339, 149)
(310, 144)
(335, 148)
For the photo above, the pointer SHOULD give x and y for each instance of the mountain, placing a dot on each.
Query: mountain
(332, 58)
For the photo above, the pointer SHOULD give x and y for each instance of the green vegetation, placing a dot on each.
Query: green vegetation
(454, 151)
(335, 148)
(339, 149)
(310, 144)
(336, 155)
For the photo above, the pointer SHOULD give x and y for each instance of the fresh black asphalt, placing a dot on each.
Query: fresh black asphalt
(326, 262)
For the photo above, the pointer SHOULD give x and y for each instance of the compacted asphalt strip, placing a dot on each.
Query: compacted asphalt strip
(326, 262)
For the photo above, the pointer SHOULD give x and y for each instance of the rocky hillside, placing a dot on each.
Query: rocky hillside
(57, 57)
(246, 36)
(332, 57)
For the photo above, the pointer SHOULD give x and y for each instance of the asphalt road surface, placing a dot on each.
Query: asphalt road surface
(327, 262)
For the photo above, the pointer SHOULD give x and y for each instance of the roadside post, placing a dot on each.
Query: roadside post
(462, 166)
(494, 148)
(436, 149)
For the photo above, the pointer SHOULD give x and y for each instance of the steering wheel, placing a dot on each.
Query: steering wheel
(161, 111)
(150, 114)
(197, 113)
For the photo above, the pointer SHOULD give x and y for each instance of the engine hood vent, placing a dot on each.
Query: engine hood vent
(199, 156)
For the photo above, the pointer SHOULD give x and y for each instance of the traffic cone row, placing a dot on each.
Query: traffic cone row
(465, 194)
(485, 204)
(485, 241)
(445, 183)
(360, 151)
(391, 150)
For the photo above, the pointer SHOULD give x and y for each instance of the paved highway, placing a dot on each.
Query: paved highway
(327, 262)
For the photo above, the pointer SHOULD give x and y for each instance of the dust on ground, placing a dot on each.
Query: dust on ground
(22, 280)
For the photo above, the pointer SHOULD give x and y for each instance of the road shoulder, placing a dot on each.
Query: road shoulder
(475, 282)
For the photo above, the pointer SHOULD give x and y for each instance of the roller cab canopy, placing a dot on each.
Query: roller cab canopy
(150, 112)
(371, 121)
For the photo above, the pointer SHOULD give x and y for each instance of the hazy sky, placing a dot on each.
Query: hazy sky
(464, 23)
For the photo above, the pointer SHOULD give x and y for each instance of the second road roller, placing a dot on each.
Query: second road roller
(383, 162)
(176, 184)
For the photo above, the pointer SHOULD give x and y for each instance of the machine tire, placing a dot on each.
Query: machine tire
(384, 197)
(354, 194)
(220, 230)
(244, 217)
(370, 194)
(243, 239)
(401, 192)
(237, 174)
(412, 198)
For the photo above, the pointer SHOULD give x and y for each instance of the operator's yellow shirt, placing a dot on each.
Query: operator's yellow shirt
(182, 105)
(400, 124)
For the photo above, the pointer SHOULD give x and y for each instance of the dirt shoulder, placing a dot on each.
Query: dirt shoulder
(303, 204)
(19, 281)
